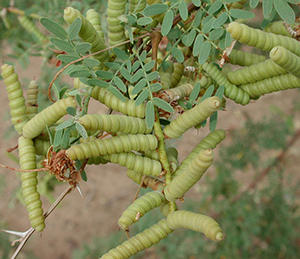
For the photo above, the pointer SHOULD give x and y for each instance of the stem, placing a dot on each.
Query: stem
(20, 12)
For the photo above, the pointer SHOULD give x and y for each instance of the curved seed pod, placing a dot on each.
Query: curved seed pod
(260, 39)
(31, 101)
(87, 33)
(136, 6)
(112, 145)
(48, 116)
(209, 142)
(114, 123)
(148, 181)
(192, 117)
(269, 85)
(166, 76)
(15, 97)
(41, 147)
(177, 74)
(238, 57)
(111, 101)
(197, 222)
(178, 92)
(153, 154)
(181, 183)
(256, 72)
(29, 26)
(172, 154)
(277, 28)
(94, 18)
(140, 242)
(115, 8)
(140, 207)
(137, 163)
(286, 59)
(231, 91)
(29, 184)
(93, 160)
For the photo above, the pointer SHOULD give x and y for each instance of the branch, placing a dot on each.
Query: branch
(84, 57)
(24, 170)
(46, 214)
(267, 170)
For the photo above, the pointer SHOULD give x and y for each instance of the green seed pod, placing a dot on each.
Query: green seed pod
(269, 85)
(137, 163)
(140, 242)
(231, 91)
(29, 26)
(192, 117)
(15, 97)
(197, 222)
(209, 142)
(164, 209)
(177, 74)
(114, 123)
(93, 160)
(278, 28)
(112, 145)
(181, 183)
(111, 101)
(153, 154)
(31, 101)
(256, 72)
(47, 117)
(140, 207)
(29, 184)
(94, 18)
(115, 8)
(87, 33)
(136, 6)
(166, 76)
(260, 39)
(172, 154)
(41, 147)
(179, 92)
(238, 57)
(286, 59)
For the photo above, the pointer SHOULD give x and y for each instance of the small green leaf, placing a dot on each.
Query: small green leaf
(152, 76)
(213, 121)
(241, 14)
(91, 62)
(220, 20)
(97, 82)
(106, 75)
(65, 139)
(160, 103)
(183, 11)
(142, 97)
(54, 27)
(113, 65)
(197, 44)
(167, 23)
(195, 93)
(216, 34)
(198, 18)
(135, 66)
(58, 137)
(204, 52)
(139, 86)
(84, 176)
(150, 116)
(117, 93)
(208, 93)
(82, 73)
(149, 66)
(228, 39)
(74, 28)
(81, 130)
(137, 76)
(119, 83)
(155, 87)
(178, 55)
(188, 39)
(143, 21)
(66, 58)
(208, 24)
(267, 7)
(196, 3)
(220, 92)
(155, 9)
(50, 135)
(62, 44)
(83, 47)
(125, 73)
(285, 11)
(253, 3)
(121, 54)
(71, 111)
(215, 7)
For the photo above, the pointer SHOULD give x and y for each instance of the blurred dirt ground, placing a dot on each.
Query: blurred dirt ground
(108, 190)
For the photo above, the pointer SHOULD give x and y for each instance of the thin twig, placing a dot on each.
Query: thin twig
(24, 170)
(46, 214)
(84, 57)
(268, 169)
(11, 149)
(139, 189)
(20, 12)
